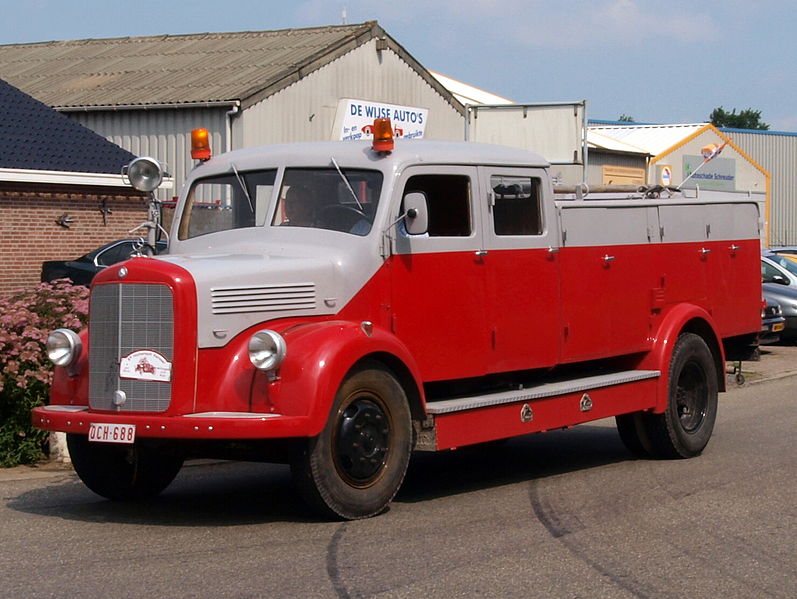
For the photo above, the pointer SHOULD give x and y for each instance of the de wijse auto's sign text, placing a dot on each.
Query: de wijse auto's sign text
(357, 119)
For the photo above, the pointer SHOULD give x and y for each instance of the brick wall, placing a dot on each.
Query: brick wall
(30, 234)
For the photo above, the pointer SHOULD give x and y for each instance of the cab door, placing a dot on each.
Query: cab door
(521, 261)
(438, 307)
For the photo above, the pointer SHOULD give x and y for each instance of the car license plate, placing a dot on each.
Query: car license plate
(112, 433)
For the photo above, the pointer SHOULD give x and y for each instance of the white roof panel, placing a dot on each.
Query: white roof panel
(650, 139)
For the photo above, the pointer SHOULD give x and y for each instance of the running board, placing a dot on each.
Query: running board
(540, 391)
(452, 423)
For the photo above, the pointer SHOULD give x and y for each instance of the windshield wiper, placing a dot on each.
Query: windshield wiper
(348, 185)
(243, 187)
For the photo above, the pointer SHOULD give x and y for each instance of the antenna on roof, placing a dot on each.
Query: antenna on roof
(343, 17)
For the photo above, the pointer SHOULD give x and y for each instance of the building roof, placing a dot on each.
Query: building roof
(601, 141)
(645, 139)
(203, 68)
(35, 137)
(467, 94)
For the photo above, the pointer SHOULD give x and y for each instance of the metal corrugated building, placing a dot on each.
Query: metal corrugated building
(777, 153)
(248, 88)
(678, 148)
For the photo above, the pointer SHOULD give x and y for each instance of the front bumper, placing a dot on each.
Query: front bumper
(204, 425)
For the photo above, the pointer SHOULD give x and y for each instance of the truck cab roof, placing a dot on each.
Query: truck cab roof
(360, 154)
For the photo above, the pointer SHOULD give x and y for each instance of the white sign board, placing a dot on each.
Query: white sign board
(356, 118)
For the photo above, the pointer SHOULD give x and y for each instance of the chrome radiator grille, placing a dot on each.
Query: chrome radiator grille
(125, 318)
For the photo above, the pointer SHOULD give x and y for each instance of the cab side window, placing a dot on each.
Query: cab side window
(448, 202)
(517, 209)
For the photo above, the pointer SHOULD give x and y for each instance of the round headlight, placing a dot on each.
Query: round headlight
(63, 347)
(267, 349)
(145, 174)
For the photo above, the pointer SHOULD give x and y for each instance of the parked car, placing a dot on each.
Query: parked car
(82, 270)
(772, 321)
(787, 298)
(778, 269)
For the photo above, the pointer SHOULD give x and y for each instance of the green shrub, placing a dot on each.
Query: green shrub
(26, 318)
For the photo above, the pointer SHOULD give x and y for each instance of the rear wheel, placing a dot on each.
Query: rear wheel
(685, 427)
(354, 468)
(122, 472)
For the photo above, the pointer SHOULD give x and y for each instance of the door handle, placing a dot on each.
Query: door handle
(481, 253)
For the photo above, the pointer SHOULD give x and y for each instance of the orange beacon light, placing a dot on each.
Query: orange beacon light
(383, 136)
(200, 144)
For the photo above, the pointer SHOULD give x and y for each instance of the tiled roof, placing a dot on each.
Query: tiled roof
(181, 69)
(35, 137)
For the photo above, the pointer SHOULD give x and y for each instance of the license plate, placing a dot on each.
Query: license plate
(777, 327)
(112, 433)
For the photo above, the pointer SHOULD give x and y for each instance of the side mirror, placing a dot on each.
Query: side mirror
(779, 279)
(416, 213)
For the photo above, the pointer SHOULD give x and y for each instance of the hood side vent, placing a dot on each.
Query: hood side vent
(263, 298)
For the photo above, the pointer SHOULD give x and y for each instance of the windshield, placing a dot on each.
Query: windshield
(232, 201)
(335, 199)
(339, 200)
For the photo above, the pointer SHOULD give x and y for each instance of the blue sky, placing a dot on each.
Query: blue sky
(665, 62)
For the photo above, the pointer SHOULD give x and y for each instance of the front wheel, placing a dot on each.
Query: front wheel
(685, 427)
(122, 472)
(354, 468)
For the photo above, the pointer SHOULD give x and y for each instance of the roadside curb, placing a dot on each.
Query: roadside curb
(53, 468)
(31, 472)
(772, 377)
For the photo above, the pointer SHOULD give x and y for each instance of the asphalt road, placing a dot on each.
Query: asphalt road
(564, 514)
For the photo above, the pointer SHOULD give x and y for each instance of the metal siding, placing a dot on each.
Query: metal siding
(600, 159)
(306, 110)
(162, 134)
(777, 154)
(555, 131)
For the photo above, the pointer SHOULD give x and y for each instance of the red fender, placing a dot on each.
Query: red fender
(320, 355)
(681, 317)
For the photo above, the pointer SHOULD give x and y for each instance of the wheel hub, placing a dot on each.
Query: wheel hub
(692, 397)
(362, 442)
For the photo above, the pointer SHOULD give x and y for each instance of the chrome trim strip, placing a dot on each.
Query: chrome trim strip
(251, 415)
(65, 408)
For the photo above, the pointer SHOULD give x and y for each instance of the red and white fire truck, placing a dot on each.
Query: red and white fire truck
(337, 306)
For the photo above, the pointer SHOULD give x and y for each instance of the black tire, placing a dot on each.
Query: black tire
(354, 468)
(633, 433)
(122, 472)
(685, 427)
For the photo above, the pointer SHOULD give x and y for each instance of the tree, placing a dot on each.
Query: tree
(624, 118)
(746, 119)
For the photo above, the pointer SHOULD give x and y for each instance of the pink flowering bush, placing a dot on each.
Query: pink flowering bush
(26, 318)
